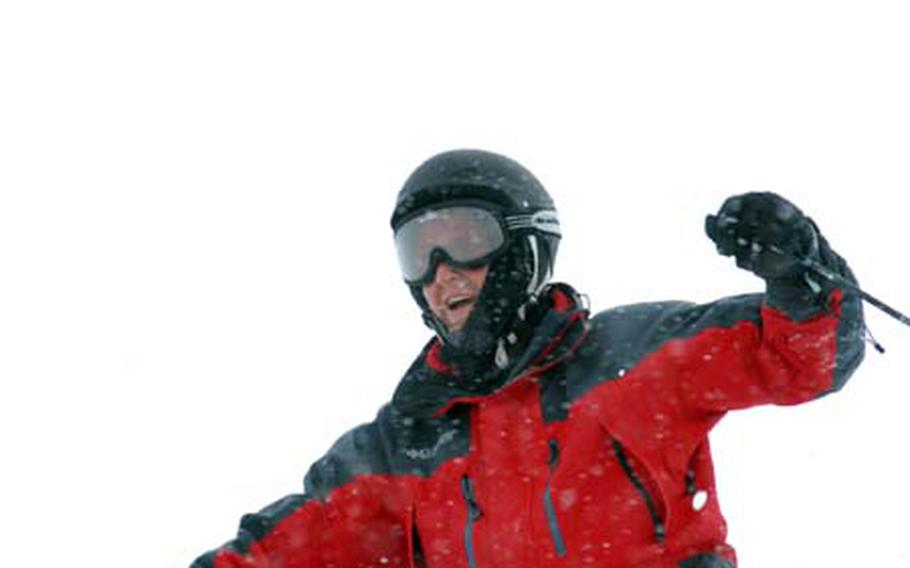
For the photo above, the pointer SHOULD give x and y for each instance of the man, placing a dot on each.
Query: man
(528, 433)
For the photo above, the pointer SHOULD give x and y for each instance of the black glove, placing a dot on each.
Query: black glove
(763, 231)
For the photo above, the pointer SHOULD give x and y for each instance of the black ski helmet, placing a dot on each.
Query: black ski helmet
(518, 274)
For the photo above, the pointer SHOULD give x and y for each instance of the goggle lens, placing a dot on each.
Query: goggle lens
(464, 234)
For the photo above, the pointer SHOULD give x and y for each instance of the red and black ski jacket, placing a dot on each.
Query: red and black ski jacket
(594, 452)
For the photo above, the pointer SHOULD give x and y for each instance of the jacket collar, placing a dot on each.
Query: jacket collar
(430, 387)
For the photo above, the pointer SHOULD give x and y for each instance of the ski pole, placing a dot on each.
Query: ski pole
(825, 272)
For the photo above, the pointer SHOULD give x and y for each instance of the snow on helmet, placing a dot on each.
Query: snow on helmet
(518, 269)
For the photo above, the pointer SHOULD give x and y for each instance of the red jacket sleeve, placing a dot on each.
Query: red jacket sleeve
(354, 512)
(673, 369)
(806, 342)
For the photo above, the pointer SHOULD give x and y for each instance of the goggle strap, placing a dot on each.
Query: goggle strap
(546, 221)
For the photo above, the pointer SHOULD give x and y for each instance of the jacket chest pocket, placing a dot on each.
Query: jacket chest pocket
(646, 487)
(639, 472)
(552, 517)
(450, 517)
(473, 515)
(605, 493)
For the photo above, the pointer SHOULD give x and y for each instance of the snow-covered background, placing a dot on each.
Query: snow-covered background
(198, 290)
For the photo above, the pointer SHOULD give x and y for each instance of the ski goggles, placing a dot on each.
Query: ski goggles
(464, 235)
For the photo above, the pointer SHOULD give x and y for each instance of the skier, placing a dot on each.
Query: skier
(529, 433)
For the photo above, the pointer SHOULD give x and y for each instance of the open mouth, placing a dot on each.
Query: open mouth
(459, 302)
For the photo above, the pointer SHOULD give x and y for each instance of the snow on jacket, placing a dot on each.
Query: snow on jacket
(594, 452)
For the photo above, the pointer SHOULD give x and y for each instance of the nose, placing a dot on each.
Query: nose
(445, 273)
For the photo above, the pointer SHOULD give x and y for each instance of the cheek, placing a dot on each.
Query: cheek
(431, 295)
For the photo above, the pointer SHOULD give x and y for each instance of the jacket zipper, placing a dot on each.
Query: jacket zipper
(558, 542)
(660, 531)
(467, 489)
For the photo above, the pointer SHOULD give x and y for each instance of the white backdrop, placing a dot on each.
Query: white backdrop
(198, 291)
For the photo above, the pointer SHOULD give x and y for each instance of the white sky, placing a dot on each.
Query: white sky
(198, 291)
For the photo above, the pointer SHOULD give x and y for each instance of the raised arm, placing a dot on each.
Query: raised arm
(671, 370)
(809, 335)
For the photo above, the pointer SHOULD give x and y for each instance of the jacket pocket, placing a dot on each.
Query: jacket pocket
(467, 490)
(555, 533)
(660, 529)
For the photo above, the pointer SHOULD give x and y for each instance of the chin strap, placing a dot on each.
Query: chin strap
(437, 326)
